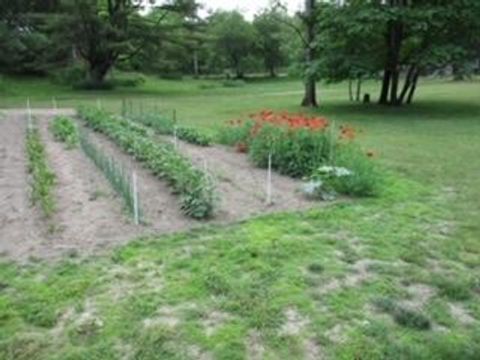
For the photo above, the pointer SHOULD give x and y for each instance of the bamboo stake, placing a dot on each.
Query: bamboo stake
(269, 180)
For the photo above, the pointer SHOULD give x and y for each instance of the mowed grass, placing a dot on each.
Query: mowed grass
(396, 277)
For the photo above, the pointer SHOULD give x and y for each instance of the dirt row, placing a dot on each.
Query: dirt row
(89, 217)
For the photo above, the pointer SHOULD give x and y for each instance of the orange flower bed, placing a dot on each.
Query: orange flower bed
(292, 121)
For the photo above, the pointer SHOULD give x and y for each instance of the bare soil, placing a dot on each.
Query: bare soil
(19, 223)
(90, 217)
(242, 187)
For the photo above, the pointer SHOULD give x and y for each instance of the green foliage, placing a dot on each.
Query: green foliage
(43, 179)
(193, 136)
(194, 187)
(233, 83)
(65, 130)
(115, 173)
(403, 316)
(295, 153)
(165, 125)
(234, 39)
(72, 75)
(354, 173)
(238, 133)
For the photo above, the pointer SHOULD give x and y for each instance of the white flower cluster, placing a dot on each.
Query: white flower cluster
(334, 171)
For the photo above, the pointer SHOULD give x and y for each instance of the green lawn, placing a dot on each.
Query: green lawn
(396, 277)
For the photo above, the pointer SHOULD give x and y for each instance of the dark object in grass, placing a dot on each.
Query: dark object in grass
(366, 99)
(316, 268)
(403, 316)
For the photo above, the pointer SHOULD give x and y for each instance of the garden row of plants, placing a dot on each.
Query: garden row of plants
(117, 176)
(195, 188)
(42, 177)
(307, 147)
(65, 130)
(164, 125)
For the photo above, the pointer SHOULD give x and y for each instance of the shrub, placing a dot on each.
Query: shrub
(88, 85)
(128, 80)
(298, 143)
(194, 187)
(354, 174)
(65, 130)
(70, 75)
(236, 133)
(294, 152)
(233, 83)
(43, 179)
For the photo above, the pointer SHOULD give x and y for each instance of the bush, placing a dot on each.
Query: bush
(237, 133)
(128, 80)
(194, 187)
(354, 173)
(93, 85)
(298, 143)
(295, 153)
(233, 83)
(65, 130)
(70, 75)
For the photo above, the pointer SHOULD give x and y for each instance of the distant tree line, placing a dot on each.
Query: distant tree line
(394, 41)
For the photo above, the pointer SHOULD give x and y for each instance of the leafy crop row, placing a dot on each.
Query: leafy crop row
(193, 186)
(163, 125)
(64, 130)
(115, 174)
(43, 178)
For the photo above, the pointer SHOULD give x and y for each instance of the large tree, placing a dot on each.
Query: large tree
(104, 32)
(270, 38)
(233, 39)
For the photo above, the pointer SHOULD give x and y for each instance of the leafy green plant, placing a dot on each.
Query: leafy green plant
(65, 130)
(115, 173)
(237, 133)
(194, 187)
(295, 153)
(193, 136)
(43, 178)
(365, 179)
(165, 125)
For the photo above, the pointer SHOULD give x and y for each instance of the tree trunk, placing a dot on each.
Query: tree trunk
(385, 87)
(413, 87)
(394, 39)
(310, 97)
(272, 72)
(98, 72)
(195, 64)
(350, 90)
(359, 88)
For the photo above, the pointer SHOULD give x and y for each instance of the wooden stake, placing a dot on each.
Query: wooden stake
(175, 140)
(269, 180)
